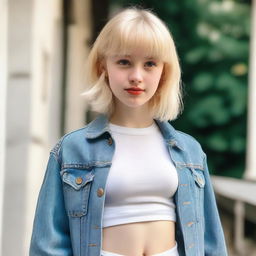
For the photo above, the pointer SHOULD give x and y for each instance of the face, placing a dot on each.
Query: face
(133, 79)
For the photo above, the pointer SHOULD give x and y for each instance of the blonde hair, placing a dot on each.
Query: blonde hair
(129, 29)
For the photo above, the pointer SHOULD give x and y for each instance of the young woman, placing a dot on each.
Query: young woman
(128, 183)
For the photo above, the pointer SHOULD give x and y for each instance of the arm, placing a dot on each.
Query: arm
(50, 234)
(213, 236)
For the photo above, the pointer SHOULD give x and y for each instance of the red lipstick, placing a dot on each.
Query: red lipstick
(134, 90)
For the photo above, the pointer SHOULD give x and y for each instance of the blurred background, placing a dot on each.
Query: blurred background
(43, 50)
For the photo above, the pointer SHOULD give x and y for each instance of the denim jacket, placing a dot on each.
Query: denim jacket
(69, 212)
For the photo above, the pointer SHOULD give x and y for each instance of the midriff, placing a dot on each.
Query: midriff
(140, 238)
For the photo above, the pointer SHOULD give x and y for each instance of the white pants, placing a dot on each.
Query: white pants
(171, 252)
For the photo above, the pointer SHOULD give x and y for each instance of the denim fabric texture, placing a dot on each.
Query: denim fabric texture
(69, 212)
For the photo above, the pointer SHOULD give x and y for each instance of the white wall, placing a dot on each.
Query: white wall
(79, 35)
(3, 89)
(17, 124)
(32, 101)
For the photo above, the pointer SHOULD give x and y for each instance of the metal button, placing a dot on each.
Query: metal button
(100, 192)
(79, 180)
(110, 141)
(172, 143)
(191, 246)
(189, 224)
(200, 180)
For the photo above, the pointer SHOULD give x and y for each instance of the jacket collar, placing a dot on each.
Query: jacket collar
(100, 126)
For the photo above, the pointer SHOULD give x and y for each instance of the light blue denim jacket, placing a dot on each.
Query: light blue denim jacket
(69, 213)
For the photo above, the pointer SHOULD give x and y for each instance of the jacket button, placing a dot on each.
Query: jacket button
(173, 143)
(200, 180)
(189, 224)
(100, 192)
(79, 180)
(110, 141)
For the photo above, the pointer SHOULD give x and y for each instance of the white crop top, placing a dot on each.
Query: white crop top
(142, 178)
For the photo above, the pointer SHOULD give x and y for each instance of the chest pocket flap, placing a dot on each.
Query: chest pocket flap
(198, 177)
(77, 178)
(76, 188)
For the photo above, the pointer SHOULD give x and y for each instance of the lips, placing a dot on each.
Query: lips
(134, 92)
(134, 89)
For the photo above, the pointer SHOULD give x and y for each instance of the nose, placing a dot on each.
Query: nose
(135, 77)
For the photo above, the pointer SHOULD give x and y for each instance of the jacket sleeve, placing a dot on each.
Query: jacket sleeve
(213, 236)
(50, 235)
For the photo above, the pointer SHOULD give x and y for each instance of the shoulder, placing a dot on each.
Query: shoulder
(69, 140)
(188, 140)
(191, 145)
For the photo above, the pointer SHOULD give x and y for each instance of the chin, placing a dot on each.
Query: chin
(134, 106)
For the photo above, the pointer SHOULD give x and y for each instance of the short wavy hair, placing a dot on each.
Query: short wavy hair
(129, 29)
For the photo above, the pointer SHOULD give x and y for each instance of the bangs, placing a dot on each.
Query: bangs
(138, 35)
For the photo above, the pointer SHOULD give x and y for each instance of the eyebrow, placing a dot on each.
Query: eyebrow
(127, 55)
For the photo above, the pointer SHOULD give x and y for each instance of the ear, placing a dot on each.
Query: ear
(102, 67)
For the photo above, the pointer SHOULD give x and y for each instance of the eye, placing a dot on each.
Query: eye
(150, 64)
(123, 62)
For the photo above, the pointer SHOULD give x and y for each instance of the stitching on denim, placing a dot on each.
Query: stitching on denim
(197, 166)
(55, 156)
(76, 213)
(86, 166)
(57, 147)
(76, 166)
(175, 143)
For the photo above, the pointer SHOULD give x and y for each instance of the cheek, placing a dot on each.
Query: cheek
(117, 81)
(155, 79)
(114, 81)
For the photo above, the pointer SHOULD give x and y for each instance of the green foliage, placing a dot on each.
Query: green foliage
(212, 40)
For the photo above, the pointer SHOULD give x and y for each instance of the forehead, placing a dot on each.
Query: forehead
(140, 52)
(135, 54)
(146, 45)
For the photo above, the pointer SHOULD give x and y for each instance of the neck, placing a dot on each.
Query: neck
(132, 117)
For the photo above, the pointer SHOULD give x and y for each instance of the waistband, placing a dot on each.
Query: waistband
(171, 252)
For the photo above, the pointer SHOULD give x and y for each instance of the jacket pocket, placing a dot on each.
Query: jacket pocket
(198, 177)
(199, 189)
(76, 188)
